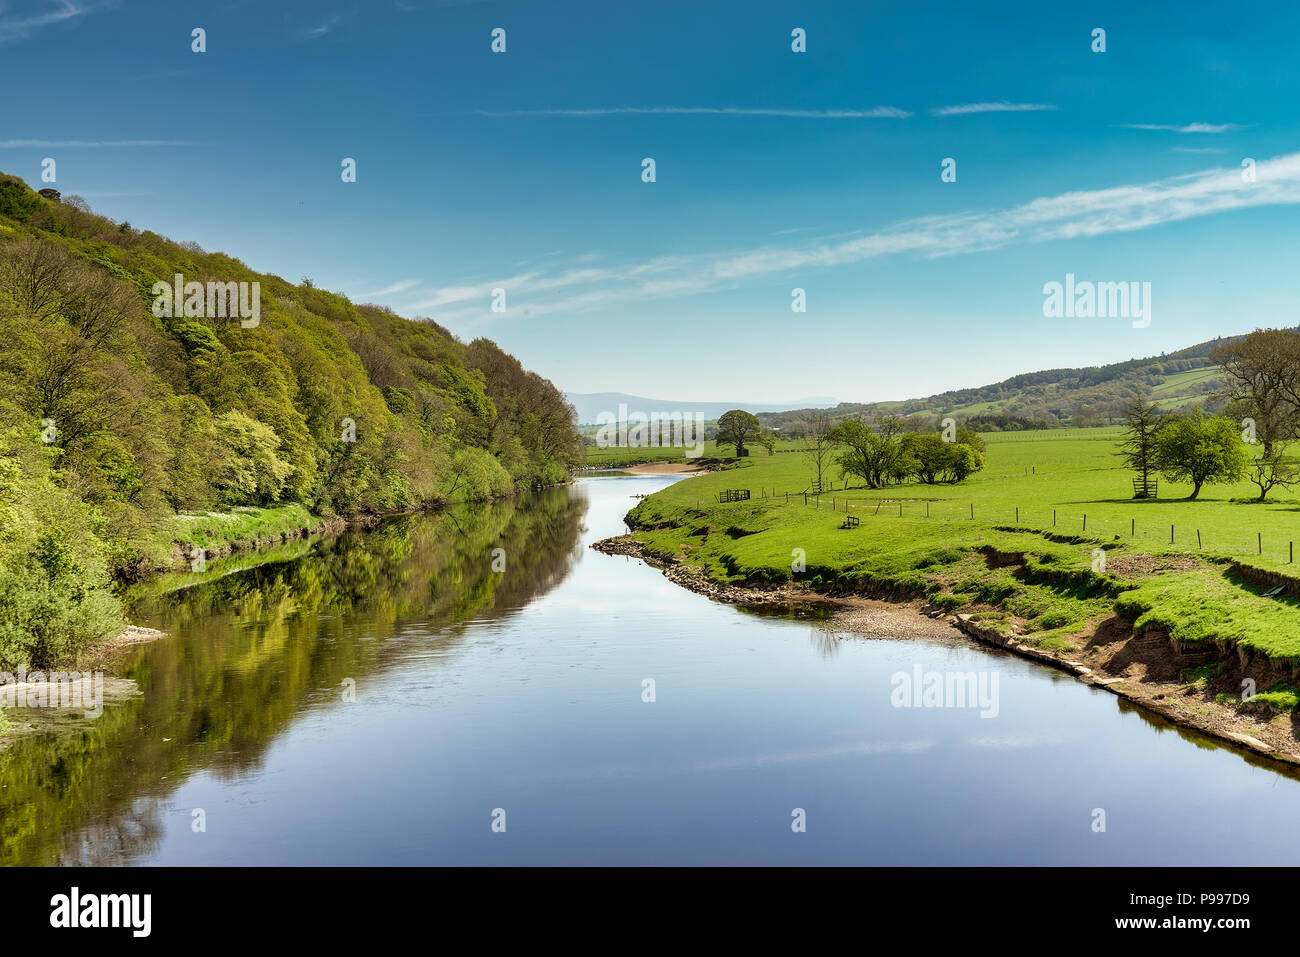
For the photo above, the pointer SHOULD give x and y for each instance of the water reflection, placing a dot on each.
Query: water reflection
(478, 690)
(250, 651)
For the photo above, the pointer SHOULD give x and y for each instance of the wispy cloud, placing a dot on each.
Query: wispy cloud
(876, 112)
(20, 26)
(396, 288)
(1072, 215)
(1185, 128)
(87, 144)
(746, 762)
(1197, 149)
(325, 27)
(1001, 106)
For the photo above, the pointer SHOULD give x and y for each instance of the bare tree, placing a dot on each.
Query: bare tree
(1273, 469)
(70, 315)
(820, 442)
(37, 277)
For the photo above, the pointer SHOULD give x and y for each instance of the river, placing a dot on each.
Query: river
(408, 695)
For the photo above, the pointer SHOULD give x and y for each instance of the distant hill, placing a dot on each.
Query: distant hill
(590, 404)
(1054, 398)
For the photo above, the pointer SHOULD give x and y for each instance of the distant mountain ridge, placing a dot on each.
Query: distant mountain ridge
(590, 404)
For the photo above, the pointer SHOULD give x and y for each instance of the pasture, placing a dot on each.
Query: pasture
(1032, 499)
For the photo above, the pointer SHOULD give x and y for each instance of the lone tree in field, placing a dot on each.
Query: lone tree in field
(1201, 450)
(738, 428)
(1138, 450)
(820, 443)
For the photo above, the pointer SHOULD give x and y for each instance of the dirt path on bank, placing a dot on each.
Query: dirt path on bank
(662, 468)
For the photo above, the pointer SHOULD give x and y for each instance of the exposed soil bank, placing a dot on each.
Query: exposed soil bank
(1144, 667)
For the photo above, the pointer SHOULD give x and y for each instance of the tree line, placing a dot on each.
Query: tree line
(887, 451)
(1249, 439)
(113, 420)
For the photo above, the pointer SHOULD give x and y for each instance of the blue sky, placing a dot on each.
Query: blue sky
(775, 170)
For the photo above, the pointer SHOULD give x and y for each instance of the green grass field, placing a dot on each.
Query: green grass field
(1032, 499)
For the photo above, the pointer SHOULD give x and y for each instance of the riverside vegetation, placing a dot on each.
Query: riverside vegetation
(1045, 546)
(129, 439)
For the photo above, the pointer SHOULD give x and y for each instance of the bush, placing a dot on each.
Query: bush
(55, 596)
(252, 472)
(475, 476)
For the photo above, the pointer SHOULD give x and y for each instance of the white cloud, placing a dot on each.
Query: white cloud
(1000, 106)
(326, 26)
(400, 286)
(1071, 215)
(23, 25)
(1186, 128)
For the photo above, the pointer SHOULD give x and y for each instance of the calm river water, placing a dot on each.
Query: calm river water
(383, 697)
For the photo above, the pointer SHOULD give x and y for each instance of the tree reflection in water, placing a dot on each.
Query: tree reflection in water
(249, 651)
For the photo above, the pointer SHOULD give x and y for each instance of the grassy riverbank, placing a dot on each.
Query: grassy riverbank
(1024, 566)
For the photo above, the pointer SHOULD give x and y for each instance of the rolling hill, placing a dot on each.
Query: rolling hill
(591, 404)
(1053, 398)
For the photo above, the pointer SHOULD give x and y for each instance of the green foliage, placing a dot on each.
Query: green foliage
(340, 408)
(1012, 535)
(1139, 448)
(887, 454)
(1280, 697)
(1200, 449)
(474, 476)
(738, 428)
(17, 201)
(54, 599)
(252, 472)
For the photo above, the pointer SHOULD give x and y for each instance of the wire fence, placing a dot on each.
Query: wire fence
(1276, 545)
